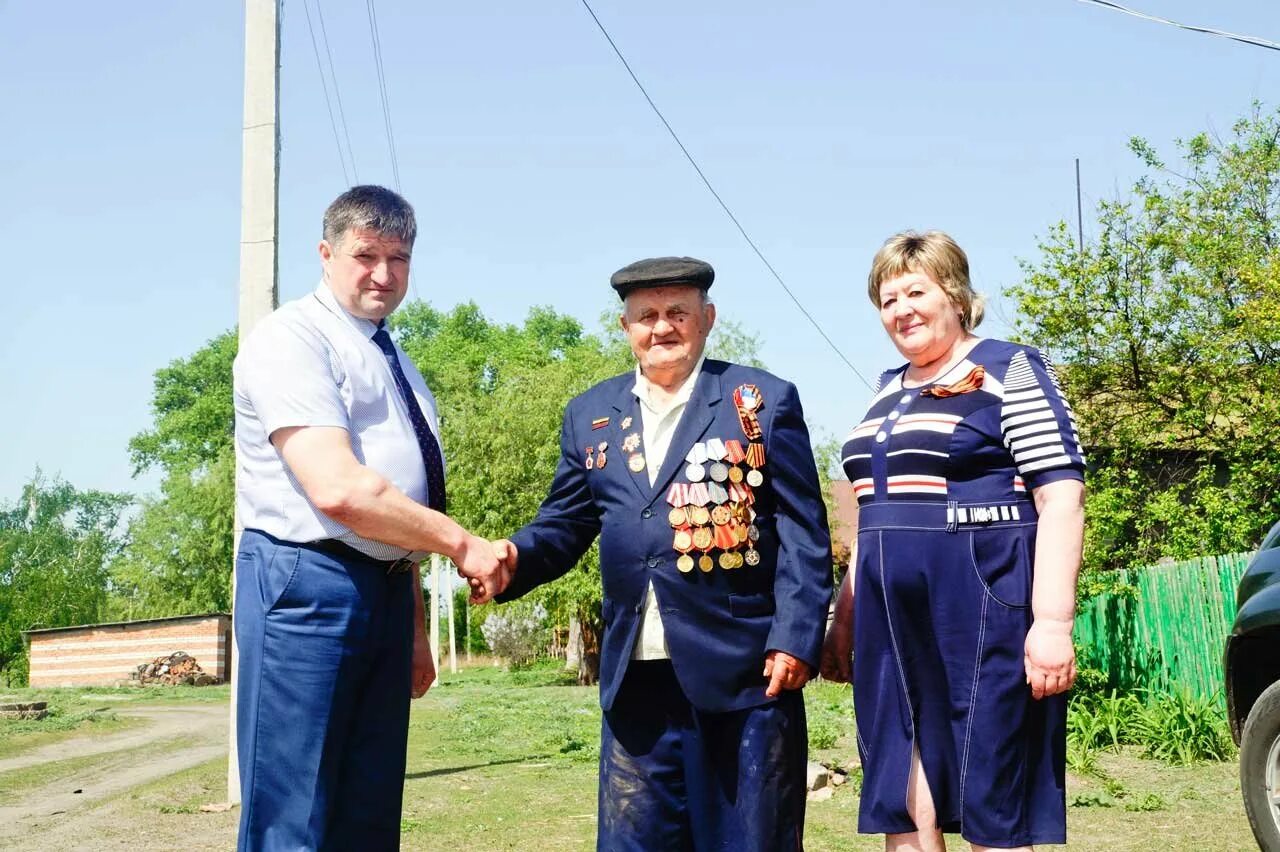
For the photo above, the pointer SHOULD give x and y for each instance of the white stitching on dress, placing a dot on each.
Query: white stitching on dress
(902, 676)
(968, 728)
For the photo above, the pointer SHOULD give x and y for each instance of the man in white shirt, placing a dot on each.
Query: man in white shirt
(699, 479)
(340, 489)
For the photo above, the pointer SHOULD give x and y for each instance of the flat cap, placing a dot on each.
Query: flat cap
(663, 272)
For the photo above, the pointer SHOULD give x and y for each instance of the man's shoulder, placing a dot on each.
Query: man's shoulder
(292, 323)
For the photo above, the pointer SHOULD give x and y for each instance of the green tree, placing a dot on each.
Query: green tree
(179, 553)
(55, 545)
(1167, 331)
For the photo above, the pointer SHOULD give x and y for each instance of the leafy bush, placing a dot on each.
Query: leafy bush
(1178, 728)
(518, 634)
(1174, 727)
(823, 734)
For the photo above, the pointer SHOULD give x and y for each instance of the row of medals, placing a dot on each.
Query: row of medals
(713, 509)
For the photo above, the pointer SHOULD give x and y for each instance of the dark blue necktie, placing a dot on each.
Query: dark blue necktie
(431, 457)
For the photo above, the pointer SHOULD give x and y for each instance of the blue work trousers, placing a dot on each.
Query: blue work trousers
(676, 779)
(326, 646)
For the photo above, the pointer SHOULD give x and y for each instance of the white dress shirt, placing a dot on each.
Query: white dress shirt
(658, 426)
(313, 364)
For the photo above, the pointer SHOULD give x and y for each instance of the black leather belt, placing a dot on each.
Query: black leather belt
(342, 550)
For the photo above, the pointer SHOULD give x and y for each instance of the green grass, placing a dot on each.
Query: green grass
(75, 711)
(67, 717)
(506, 761)
(118, 694)
(17, 781)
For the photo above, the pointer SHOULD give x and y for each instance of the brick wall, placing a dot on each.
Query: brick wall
(103, 655)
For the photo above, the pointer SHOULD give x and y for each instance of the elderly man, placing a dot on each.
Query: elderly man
(340, 488)
(699, 479)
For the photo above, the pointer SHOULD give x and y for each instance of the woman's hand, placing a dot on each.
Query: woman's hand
(836, 663)
(1049, 657)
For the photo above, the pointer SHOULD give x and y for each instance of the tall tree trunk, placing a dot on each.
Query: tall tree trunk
(589, 666)
(573, 648)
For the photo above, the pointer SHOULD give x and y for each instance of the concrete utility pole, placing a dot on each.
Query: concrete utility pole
(433, 625)
(453, 632)
(259, 227)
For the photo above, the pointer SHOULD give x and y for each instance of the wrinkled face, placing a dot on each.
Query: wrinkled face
(667, 328)
(920, 317)
(367, 272)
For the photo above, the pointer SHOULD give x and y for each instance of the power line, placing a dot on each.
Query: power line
(1243, 39)
(337, 92)
(719, 200)
(325, 86)
(382, 90)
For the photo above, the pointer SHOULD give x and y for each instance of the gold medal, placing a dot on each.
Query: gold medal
(741, 532)
(702, 538)
(683, 541)
(677, 517)
(735, 474)
(720, 516)
(601, 458)
(699, 515)
(636, 462)
(685, 564)
(705, 563)
(726, 561)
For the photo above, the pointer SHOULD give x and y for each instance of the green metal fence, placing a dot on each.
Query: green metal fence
(1168, 629)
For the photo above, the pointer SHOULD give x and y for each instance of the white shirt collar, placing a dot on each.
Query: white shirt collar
(642, 387)
(325, 296)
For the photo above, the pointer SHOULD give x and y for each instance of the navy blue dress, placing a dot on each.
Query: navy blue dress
(946, 539)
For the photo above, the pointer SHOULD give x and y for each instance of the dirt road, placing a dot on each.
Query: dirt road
(64, 813)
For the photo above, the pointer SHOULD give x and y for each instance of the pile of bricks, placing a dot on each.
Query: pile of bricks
(179, 668)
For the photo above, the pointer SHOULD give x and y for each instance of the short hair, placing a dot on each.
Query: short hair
(370, 208)
(935, 254)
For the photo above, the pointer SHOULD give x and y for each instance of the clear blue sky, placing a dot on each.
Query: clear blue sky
(537, 169)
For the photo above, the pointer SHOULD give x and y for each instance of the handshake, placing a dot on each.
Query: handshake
(487, 566)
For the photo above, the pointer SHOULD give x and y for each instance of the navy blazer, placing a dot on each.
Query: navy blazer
(718, 624)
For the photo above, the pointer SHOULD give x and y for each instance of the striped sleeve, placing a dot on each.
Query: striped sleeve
(1037, 423)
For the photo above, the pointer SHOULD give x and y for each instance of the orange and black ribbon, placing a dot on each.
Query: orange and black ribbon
(968, 384)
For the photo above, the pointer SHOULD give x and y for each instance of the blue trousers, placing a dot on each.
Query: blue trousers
(323, 697)
(674, 778)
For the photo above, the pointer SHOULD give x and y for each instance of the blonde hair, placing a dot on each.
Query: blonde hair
(935, 254)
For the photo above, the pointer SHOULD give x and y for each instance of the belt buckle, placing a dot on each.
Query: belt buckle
(403, 565)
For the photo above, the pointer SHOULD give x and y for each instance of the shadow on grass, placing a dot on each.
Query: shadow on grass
(449, 770)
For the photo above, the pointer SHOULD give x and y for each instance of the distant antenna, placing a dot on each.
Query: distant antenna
(1079, 209)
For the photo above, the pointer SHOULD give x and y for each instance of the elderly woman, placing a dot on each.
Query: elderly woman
(958, 611)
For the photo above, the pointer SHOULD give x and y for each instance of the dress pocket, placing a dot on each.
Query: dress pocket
(1001, 561)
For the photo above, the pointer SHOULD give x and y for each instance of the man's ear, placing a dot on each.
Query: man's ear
(326, 251)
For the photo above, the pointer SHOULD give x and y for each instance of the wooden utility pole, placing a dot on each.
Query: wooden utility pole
(259, 228)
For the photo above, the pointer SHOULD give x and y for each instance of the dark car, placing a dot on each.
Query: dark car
(1251, 665)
